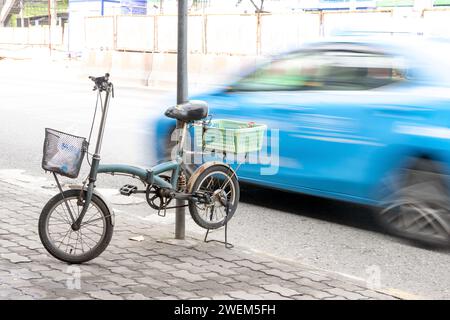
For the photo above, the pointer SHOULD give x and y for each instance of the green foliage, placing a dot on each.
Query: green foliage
(32, 9)
(395, 3)
(13, 20)
(442, 2)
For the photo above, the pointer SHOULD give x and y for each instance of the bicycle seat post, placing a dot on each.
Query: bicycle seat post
(182, 139)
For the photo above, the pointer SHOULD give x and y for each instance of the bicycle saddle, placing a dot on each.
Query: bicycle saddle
(189, 111)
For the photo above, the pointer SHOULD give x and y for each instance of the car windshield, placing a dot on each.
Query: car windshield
(325, 70)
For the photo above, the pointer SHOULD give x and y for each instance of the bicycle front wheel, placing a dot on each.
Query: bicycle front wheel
(75, 246)
(217, 197)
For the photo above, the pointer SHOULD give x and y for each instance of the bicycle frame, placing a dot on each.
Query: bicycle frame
(149, 176)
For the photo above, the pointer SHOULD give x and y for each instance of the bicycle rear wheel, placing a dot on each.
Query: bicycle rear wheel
(216, 188)
(75, 246)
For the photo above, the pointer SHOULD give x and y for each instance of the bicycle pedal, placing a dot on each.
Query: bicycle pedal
(127, 190)
(163, 214)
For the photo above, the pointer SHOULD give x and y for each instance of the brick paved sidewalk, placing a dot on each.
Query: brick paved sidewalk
(152, 269)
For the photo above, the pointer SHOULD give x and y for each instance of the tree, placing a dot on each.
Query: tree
(258, 9)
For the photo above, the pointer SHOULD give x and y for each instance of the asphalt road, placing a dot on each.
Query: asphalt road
(327, 234)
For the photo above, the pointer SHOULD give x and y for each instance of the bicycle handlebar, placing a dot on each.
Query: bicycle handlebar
(101, 83)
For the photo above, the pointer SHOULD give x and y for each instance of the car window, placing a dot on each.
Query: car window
(324, 70)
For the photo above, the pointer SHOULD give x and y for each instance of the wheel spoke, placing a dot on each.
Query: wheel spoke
(92, 221)
(64, 216)
(68, 240)
(61, 242)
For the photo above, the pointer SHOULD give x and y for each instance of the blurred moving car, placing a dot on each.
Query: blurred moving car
(360, 119)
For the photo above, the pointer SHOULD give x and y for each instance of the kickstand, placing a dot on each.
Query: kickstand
(227, 244)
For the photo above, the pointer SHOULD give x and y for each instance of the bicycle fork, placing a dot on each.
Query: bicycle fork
(88, 193)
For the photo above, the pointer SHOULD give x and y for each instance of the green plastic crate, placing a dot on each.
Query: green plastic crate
(230, 136)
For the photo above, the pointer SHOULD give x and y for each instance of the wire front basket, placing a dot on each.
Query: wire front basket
(230, 136)
(63, 153)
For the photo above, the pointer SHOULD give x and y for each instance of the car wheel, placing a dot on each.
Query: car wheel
(417, 206)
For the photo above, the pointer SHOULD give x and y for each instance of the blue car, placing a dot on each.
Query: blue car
(357, 119)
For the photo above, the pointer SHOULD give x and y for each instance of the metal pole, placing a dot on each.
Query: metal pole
(22, 21)
(49, 28)
(182, 95)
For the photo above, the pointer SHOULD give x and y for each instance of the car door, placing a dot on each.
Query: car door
(315, 103)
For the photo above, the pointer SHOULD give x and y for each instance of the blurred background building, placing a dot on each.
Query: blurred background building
(37, 12)
(225, 27)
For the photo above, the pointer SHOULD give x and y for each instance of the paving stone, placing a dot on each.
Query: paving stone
(242, 278)
(244, 295)
(336, 298)
(48, 284)
(20, 297)
(273, 296)
(160, 266)
(146, 290)
(343, 285)
(220, 270)
(375, 295)
(121, 280)
(179, 293)
(135, 296)
(281, 290)
(190, 267)
(317, 294)
(280, 266)
(222, 297)
(238, 286)
(115, 289)
(304, 297)
(280, 274)
(151, 282)
(346, 294)
(194, 261)
(181, 283)
(4, 250)
(218, 278)
(15, 258)
(56, 275)
(312, 276)
(24, 274)
(223, 263)
(121, 270)
(209, 284)
(187, 276)
(251, 265)
(7, 291)
(312, 284)
(166, 298)
(81, 297)
(103, 295)
(205, 293)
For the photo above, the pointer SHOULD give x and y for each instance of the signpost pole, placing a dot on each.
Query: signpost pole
(182, 96)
